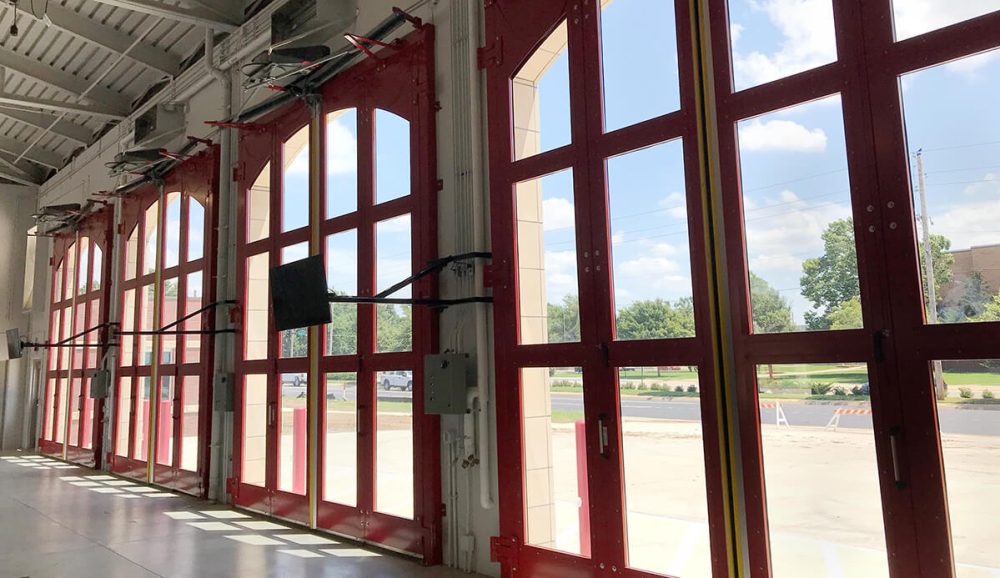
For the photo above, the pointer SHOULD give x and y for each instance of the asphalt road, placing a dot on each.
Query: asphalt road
(952, 420)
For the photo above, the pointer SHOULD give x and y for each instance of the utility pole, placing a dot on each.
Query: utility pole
(932, 318)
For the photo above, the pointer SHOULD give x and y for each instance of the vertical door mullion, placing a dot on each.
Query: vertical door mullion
(273, 339)
(366, 314)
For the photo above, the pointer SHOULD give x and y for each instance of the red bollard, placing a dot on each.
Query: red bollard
(164, 431)
(583, 486)
(299, 450)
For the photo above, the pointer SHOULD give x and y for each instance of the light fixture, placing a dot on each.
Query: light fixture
(13, 24)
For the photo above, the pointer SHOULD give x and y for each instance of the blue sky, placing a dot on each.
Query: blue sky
(794, 168)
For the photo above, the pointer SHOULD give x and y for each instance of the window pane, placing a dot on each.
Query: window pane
(57, 285)
(143, 399)
(50, 409)
(650, 245)
(67, 331)
(192, 303)
(61, 411)
(554, 468)
(342, 162)
(172, 239)
(83, 280)
(146, 324)
(132, 254)
(913, 17)
(394, 447)
(196, 230)
(190, 400)
(165, 422)
(393, 263)
(123, 415)
(259, 206)
(342, 279)
(798, 221)
(152, 224)
(98, 275)
(254, 430)
(340, 456)
(79, 326)
(257, 301)
(292, 428)
(71, 272)
(540, 97)
(74, 413)
(294, 342)
(128, 324)
(970, 445)
(54, 332)
(94, 336)
(772, 39)
(951, 128)
(169, 314)
(86, 416)
(295, 181)
(630, 28)
(824, 504)
(392, 156)
(548, 296)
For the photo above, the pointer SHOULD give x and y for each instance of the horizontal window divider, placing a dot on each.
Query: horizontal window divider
(340, 364)
(952, 341)
(394, 361)
(940, 46)
(393, 208)
(258, 247)
(340, 223)
(300, 235)
(541, 164)
(845, 346)
(783, 93)
(654, 131)
(657, 352)
(554, 355)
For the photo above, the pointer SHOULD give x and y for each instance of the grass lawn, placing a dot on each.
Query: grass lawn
(383, 406)
(972, 378)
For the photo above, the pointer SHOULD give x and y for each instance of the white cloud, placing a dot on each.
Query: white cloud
(780, 135)
(653, 272)
(560, 275)
(299, 166)
(618, 238)
(809, 41)
(779, 239)
(771, 263)
(675, 204)
(914, 17)
(342, 148)
(988, 185)
(663, 250)
(557, 214)
(735, 32)
(969, 224)
(788, 196)
(972, 65)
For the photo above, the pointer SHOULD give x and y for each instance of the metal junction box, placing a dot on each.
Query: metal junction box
(447, 378)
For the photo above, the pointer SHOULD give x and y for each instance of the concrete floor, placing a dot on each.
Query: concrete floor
(58, 520)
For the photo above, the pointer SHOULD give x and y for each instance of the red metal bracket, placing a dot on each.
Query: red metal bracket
(357, 41)
(491, 54)
(250, 126)
(503, 550)
(416, 22)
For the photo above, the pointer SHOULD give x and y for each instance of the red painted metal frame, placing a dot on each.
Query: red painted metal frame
(866, 77)
(514, 29)
(402, 82)
(98, 229)
(196, 179)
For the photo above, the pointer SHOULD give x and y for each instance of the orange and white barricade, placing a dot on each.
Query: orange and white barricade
(779, 413)
(834, 422)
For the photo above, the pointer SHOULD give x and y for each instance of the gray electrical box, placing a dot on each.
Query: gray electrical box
(100, 384)
(222, 391)
(447, 378)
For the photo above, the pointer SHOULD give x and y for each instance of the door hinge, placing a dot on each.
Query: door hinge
(238, 174)
(503, 550)
(490, 55)
(232, 487)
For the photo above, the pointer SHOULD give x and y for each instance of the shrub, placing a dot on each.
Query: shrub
(679, 389)
(820, 388)
(965, 392)
(856, 390)
(988, 394)
(692, 389)
(839, 391)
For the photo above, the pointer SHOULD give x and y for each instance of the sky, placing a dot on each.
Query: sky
(793, 161)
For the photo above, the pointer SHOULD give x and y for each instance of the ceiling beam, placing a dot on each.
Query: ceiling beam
(228, 9)
(64, 128)
(101, 111)
(194, 16)
(36, 155)
(63, 81)
(15, 173)
(108, 37)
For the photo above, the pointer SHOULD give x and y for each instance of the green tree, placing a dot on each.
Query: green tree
(832, 278)
(564, 320)
(656, 319)
(847, 315)
(771, 311)
(943, 261)
(991, 310)
(976, 295)
(394, 328)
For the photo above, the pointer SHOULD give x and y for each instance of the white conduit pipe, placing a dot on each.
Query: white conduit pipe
(484, 339)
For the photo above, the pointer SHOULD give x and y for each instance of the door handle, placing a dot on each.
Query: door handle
(897, 473)
(271, 414)
(602, 436)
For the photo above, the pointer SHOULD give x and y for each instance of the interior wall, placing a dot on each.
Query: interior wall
(17, 203)
(470, 519)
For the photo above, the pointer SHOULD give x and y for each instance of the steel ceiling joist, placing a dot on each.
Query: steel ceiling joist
(60, 80)
(110, 38)
(195, 16)
(66, 129)
(13, 172)
(36, 155)
(100, 111)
